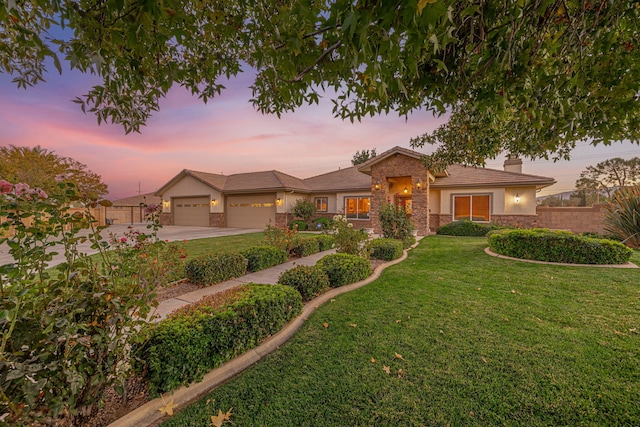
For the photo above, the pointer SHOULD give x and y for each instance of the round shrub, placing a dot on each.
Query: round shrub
(322, 224)
(302, 226)
(343, 269)
(310, 281)
(464, 227)
(385, 249)
(325, 242)
(210, 269)
(306, 247)
(261, 257)
(557, 246)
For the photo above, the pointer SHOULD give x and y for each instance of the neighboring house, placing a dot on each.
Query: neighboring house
(130, 209)
(252, 200)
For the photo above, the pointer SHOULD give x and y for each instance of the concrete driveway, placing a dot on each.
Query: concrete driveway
(168, 232)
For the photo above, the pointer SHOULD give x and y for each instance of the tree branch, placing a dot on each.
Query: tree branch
(321, 58)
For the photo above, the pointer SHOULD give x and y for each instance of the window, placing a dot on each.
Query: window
(322, 204)
(357, 207)
(473, 207)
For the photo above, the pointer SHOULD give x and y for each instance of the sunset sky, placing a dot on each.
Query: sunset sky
(225, 136)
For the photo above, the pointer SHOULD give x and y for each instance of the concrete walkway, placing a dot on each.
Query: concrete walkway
(267, 276)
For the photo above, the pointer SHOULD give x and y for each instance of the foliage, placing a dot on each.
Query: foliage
(523, 77)
(362, 156)
(623, 216)
(305, 209)
(347, 239)
(261, 257)
(44, 169)
(310, 281)
(215, 268)
(188, 344)
(321, 224)
(66, 331)
(605, 178)
(344, 268)
(298, 224)
(325, 242)
(464, 227)
(385, 249)
(557, 246)
(282, 238)
(396, 224)
(307, 247)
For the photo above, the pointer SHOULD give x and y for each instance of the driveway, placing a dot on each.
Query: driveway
(168, 232)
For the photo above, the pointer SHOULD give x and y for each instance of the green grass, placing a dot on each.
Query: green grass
(484, 341)
(219, 244)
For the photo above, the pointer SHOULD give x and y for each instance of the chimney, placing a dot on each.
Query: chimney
(513, 164)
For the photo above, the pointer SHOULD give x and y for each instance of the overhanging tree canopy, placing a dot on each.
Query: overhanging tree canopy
(532, 77)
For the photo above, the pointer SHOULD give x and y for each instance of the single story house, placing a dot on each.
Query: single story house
(432, 198)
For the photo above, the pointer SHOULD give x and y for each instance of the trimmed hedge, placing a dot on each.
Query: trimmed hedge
(182, 348)
(306, 247)
(302, 226)
(385, 249)
(211, 269)
(310, 281)
(557, 246)
(261, 257)
(464, 227)
(343, 269)
(325, 242)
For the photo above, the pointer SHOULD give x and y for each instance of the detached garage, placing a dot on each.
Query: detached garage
(251, 211)
(192, 211)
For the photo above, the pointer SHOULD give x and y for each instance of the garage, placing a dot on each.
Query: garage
(251, 211)
(192, 211)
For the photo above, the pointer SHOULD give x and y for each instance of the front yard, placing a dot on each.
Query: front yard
(452, 336)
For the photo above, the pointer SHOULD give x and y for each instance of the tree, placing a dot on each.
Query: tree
(362, 156)
(529, 77)
(41, 168)
(605, 178)
(305, 209)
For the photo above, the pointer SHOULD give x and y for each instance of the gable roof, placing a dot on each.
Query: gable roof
(366, 166)
(470, 176)
(348, 179)
(213, 180)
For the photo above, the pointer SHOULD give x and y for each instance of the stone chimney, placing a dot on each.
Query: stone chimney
(513, 164)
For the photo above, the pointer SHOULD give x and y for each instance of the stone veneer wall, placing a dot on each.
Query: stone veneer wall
(216, 220)
(398, 166)
(166, 218)
(575, 219)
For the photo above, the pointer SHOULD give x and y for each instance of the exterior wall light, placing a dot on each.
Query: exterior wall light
(377, 185)
(419, 184)
(166, 203)
(278, 201)
(214, 202)
(517, 198)
(405, 191)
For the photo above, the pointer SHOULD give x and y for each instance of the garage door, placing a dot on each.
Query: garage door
(191, 211)
(251, 211)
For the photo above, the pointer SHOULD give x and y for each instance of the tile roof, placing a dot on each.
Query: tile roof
(349, 179)
(468, 176)
(262, 181)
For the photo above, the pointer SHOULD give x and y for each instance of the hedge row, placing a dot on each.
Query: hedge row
(386, 249)
(343, 269)
(464, 227)
(184, 347)
(557, 246)
(211, 269)
(310, 281)
(261, 257)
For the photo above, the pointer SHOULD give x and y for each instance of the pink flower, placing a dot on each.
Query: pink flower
(5, 186)
(123, 239)
(41, 193)
(21, 189)
(61, 177)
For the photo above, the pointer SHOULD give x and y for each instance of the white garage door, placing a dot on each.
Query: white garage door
(191, 211)
(251, 211)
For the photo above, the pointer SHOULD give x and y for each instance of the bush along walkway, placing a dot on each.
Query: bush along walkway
(152, 412)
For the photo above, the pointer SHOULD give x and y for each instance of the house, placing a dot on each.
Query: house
(432, 198)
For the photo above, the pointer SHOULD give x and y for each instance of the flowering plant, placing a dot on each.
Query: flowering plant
(347, 239)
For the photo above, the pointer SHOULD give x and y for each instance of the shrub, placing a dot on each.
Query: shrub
(282, 238)
(188, 344)
(299, 224)
(464, 227)
(261, 257)
(305, 209)
(310, 281)
(347, 239)
(385, 249)
(557, 246)
(396, 224)
(307, 247)
(623, 217)
(321, 224)
(343, 269)
(210, 269)
(325, 242)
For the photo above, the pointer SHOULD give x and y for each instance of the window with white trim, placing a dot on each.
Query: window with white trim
(473, 207)
(322, 204)
(357, 207)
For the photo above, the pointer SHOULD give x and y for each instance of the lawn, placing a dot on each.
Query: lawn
(468, 340)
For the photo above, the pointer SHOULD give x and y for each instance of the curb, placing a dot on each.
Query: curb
(149, 414)
(562, 264)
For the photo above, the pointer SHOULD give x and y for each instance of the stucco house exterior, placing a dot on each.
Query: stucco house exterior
(432, 198)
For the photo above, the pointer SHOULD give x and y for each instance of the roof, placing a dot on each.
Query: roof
(148, 198)
(216, 181)
(366, 166)
(469, 176)
(348, 179)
